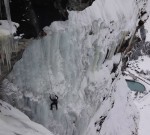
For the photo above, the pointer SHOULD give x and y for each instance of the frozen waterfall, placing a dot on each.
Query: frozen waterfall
(71, 62)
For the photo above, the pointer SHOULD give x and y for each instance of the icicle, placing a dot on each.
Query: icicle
(6, 50)
(7, 42)
(0, 9)
(8, 56)
(6, 2)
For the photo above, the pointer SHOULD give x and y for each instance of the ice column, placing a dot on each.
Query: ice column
(6, 2)
(6, 38)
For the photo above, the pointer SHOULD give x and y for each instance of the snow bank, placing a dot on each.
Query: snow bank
(143, 106)
(14, 122)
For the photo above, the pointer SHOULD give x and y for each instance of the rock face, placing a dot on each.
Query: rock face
(140, 49)
(33, 15)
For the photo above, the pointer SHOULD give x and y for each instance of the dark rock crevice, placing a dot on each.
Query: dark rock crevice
(33, 15)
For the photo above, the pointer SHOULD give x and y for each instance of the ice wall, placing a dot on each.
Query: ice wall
(69, 62)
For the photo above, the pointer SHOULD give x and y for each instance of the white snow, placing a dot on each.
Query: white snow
(5, 28)
(142, 100)
(143, 106)
(141, 64)
(121, 115)
(14, 122)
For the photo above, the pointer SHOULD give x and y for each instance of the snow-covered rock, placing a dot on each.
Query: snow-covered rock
(5, 28)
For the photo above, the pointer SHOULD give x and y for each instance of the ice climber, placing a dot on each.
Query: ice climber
(54, 100)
